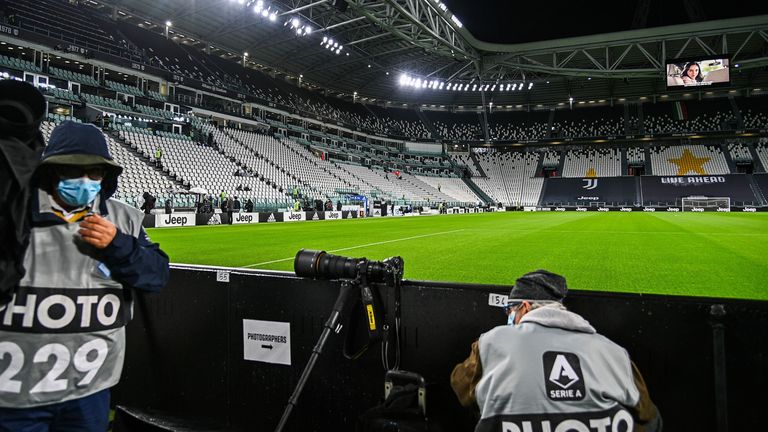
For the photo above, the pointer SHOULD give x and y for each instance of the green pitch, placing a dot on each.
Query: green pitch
(701, 254)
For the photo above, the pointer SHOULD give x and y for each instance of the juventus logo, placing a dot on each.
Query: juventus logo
(591, 183)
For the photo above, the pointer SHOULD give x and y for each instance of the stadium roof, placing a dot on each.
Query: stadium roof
(513, 22)
(382, 41)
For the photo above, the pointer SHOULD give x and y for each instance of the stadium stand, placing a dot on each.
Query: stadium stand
(688, 160)
(592, 162)
(73, 76)
(588, 122)
(72, 24)
(511, 178)
(739, 151)
(453, 187)
(762, 152)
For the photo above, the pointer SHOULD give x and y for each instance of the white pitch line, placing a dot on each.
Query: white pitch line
(361, 246)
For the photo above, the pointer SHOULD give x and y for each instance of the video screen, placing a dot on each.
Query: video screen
(701, 71)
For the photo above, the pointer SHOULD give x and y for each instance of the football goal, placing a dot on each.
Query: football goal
(693, 203)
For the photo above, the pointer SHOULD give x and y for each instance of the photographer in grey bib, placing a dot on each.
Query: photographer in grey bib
(549, 370)
(62, 333)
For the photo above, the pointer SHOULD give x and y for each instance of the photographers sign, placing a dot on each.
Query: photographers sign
(267, 341)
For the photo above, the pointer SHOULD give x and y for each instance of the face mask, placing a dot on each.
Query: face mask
(79, 191)
(511, 318)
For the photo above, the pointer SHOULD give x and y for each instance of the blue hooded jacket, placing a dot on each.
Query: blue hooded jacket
(134, 262)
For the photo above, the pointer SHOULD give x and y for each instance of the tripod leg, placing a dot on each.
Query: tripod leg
(329, 326)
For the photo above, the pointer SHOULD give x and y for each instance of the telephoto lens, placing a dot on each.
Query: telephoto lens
(322, 265)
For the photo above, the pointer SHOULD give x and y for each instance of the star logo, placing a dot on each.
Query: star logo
(688, 162)
(591, 173)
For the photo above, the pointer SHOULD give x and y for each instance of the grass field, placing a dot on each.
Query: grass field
(693, 254)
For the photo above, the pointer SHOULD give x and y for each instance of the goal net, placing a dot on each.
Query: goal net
(702, 202)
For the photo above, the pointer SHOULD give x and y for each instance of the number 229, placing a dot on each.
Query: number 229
(51, 381)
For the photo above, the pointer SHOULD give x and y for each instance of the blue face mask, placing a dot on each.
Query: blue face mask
(78, 192)
(511, 318)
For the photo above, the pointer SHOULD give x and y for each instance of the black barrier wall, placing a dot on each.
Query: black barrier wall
(185, 360)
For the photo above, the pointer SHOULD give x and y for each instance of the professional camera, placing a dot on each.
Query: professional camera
(322, 265)
(357, 275)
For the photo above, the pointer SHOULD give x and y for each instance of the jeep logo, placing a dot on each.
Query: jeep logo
(603, 209)
(245, 218)
(295, 216)
(724, 209)
(175, 220)
(559, 208)
(626, 209)
(673, 209)
(649, 209)
(697, 209)
(581, 209)
(332, 215)
(749, 209)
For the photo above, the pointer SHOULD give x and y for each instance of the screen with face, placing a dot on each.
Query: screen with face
(703, 71)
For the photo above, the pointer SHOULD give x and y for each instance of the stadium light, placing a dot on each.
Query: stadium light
(530, 85)
(273, 16)
(168, 24)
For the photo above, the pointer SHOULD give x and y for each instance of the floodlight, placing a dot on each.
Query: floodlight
(325, 39)
(331, 42)
(307, 30)
(441, 85)
(273, 16)
(341, 47)
(493, 88)
(338, 51)
(265, 13)
(530, 86)
(257, 8)
(295, 22)
(168, 23)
